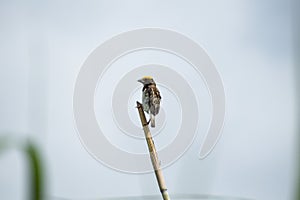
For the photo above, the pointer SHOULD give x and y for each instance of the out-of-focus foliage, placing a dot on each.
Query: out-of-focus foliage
(33, 158)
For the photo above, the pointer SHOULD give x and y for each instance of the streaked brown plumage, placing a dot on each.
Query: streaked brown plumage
(150, 97)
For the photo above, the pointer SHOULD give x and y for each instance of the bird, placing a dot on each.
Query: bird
(150, 98)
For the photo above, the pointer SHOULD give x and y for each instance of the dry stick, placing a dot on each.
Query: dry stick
(153, 155)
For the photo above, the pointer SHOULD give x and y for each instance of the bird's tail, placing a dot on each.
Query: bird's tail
(152, 120)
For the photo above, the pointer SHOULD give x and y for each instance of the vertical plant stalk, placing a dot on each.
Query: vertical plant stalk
(33, 158)
(36, 172)
(153, 154)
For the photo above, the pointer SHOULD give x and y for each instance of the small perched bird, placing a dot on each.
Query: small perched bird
(150, 98)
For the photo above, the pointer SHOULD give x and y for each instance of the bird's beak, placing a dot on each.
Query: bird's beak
(140, 80)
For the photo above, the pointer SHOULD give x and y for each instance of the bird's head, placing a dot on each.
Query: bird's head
(146, 80)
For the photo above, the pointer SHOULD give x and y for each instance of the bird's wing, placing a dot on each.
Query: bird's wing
(155, 100)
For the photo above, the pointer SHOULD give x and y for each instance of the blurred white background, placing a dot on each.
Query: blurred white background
(43, 46)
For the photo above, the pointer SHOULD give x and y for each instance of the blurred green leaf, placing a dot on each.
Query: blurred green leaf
(36, 172)
(33, 157)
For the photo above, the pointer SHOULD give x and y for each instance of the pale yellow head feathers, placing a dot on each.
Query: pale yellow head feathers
(147, 77)
(146, 80)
